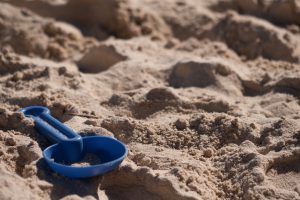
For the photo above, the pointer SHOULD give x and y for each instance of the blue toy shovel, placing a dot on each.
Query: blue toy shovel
(71, 147)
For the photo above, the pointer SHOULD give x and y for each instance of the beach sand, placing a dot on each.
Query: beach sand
(205, 95)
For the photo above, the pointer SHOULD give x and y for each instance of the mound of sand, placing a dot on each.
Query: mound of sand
(204, 94)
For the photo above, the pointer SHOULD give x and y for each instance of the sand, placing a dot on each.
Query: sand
(88, 160)
(205, 95)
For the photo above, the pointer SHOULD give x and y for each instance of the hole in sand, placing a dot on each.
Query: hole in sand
(189, 74)
(99, 59)
(285, 175)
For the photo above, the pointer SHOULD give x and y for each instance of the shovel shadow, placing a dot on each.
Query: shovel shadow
(63, 186)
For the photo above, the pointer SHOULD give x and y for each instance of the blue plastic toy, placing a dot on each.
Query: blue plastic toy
(71, 147)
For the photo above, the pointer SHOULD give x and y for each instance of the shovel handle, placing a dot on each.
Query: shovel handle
(70, 144)
(47, 125)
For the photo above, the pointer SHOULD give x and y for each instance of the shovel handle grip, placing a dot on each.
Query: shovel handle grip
(70, 144)
(47, 125)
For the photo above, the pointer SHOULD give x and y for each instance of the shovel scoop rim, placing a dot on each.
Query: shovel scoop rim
(109, 149)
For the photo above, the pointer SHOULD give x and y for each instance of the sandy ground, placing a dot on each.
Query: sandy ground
(205, 94)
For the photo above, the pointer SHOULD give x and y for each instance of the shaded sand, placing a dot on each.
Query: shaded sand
(205, 94)
(88, 160)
